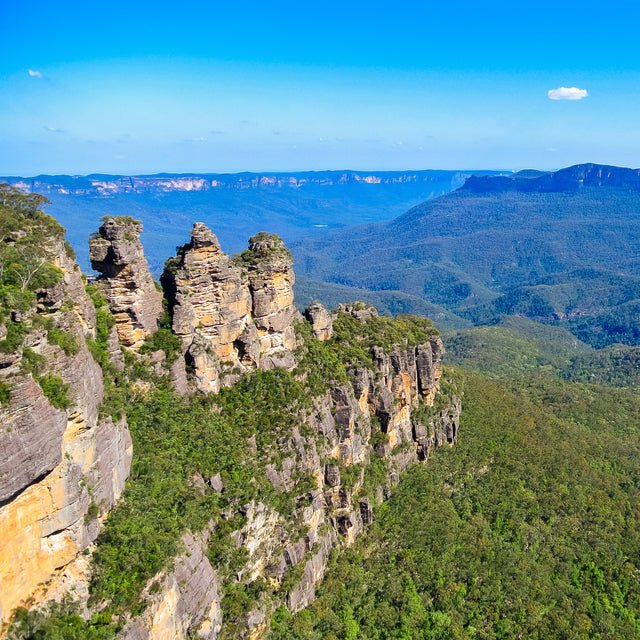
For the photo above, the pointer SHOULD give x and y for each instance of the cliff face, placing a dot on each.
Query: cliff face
(387, 416)
(96, 185)
(126, 284)
(63, 466)
(366, 402)
(231, 318)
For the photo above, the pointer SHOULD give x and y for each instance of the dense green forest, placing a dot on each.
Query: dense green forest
(528, 528)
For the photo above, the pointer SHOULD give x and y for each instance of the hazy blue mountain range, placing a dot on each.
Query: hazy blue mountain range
(234, 206)
(560, 247)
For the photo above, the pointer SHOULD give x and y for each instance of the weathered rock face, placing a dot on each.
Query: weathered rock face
(320, 320)
(271, 280)
(231, 318)
(31, 449)
(188, 603)
(126, 284)
(63, 468)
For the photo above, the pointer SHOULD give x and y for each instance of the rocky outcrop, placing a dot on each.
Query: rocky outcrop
(64, 467)
(320, 320)
(31, 448)
(125, 281)
(187, 604)
(231, 317)
(270, 269)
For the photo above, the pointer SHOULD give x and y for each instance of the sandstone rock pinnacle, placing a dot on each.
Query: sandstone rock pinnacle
(127, 285)
(232, 316)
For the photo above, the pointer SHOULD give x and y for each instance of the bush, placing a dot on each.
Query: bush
(5, 394)
(55, 390)
(66, 341)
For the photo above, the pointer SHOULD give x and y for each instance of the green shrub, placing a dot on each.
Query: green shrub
(5, 394)
(65, 340)
(16, 331)
(33, 362)
(55, 390)
(165, 340)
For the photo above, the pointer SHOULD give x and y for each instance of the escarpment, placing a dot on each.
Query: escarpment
(125, 281)
(63, 464)
(241, 492)
(366, 419)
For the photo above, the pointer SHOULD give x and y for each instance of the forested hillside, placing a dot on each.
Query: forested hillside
(528, 528)
(559, 248)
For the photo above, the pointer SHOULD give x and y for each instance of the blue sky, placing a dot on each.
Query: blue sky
(282, 86)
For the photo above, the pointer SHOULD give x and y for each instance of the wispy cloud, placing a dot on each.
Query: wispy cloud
(35, 74)
(567, 93)
(54, 130)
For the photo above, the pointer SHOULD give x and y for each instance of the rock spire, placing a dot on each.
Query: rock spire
(231, 315)
(126, 284)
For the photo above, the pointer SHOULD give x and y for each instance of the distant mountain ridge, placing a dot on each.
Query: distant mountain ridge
(569, 179)
(559, 247)
(235, 206)
(108, 185)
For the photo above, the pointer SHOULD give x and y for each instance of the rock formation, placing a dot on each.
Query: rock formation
(126, 284)
(231, 317)
(320, 320)
(269, 266)
(62, 468)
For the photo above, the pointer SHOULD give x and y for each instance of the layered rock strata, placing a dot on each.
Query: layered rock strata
(125, 282)
(62, 469)
(187, 605)
(392, 411)
(231, 316)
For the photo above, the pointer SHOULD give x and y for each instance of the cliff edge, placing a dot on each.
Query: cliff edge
(241, 491)
(63, 464)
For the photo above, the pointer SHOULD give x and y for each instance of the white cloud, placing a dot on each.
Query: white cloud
(567, 93)
(54, 130)
(35, 74)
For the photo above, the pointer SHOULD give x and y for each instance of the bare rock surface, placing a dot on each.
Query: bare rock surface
(321, 321)
(231, 317)
(127, 285)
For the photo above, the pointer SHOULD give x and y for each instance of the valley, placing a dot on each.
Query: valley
(342, 474)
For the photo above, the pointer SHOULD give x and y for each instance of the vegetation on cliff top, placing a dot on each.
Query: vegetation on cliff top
(28, 238)
(26, 234)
